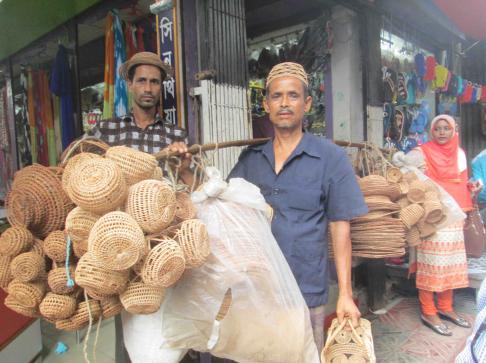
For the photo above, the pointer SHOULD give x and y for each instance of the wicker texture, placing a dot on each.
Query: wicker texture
(29, 294)
(55, 246)
(56, 307)
(164, 264)
(403, 202)
(416, 192)
(91, 274)
(287, 69)
(194, 240)
(394, 175)
(57, 280)
(152, 204)
(96, 294)
(410, 176)
(28, 266)
(13, 304)
(413, 237)
(135, 165)
(98, 186)
(373, 185)
(91, 145)
(38, 247)
(394, 191)
(433, 211)
(140, 298)
(158, 173)
(72, 164)
(404, 187)
(5, 275)
(22, 209)
(380, 202)
(15, 240)
(111, 306)
(225, 305)
(411, 214)
(79, 223)
(426, 229)
(431, 186)
(80, 248)
(185, 209)
(117, 241)
(80, 318)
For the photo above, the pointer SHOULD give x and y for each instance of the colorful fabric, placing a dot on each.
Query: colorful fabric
(430, 68)
(420, 64)
(483, 94)
(109, 77)
(445, 300)
(441, 260)
(140, 44)
(478, 167)
(441, 74)
(121, 97)
(31, 114)
(466, 96)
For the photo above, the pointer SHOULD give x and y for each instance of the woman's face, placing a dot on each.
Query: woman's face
(442, 132)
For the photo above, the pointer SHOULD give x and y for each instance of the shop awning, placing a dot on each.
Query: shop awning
(467, 15)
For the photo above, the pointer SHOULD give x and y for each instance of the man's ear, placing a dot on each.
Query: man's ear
(308, 104)
(265, 105)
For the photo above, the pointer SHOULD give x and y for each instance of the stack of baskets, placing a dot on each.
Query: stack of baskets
(99, 234)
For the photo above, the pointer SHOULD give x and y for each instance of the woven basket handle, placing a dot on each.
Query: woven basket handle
(338, 329)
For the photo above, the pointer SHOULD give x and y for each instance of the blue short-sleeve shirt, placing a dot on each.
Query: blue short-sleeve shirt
(316, 185)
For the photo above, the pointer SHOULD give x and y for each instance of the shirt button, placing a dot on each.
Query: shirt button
(276, 191)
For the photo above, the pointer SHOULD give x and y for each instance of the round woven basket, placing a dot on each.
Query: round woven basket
(84, 145)
(92, 275)
(164, 264)
(426, 229)
(185, 209)
(411, 214)
(152, 204)
(96, 294)
(394, 175)
(38, 247)
(80, 318)
(55, 246)
(13, 304)
(79, 223)
(380, 202)
(413, 237)
(57, 280)
(136, 165)
(98, 186)
(194, 240)
(28, 266)
(80, 248)
(22, 209)
(394, 192)
(5, 274)
(433, 211)
(410, 177)
(373, 185)
(117, 241)
(431, 195)
(404, 187)
(29, 294)
(416, 192)
(158, 173)
(72, 164)
(56, 307)
(15, 240)
(140, 298)
(403, 202)
(111, 306)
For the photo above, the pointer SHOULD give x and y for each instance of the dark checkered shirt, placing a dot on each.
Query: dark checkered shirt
(124, 131)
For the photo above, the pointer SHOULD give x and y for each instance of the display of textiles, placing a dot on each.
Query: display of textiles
(109, 90)
(6, 174)
(121, 97)
(22, 122)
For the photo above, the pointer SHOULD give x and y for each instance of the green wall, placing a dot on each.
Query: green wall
(23, 21)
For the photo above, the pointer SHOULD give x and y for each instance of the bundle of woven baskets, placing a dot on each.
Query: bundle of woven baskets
(101, 233)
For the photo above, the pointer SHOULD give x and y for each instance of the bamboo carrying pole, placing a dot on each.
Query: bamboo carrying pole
(194, 149)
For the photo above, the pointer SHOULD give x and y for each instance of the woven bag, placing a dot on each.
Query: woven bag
(152, 204)
(29, 294)
(433, 211)
(56, 307)
(117, 241)
(394, 175)
(55, 246)
(72, 164)
(194, 240)
(416, 192)
(5, 274)
(57, 280)
(98, 186)
(13, 304)
(84, 145)
(164, 264)
(135, 165)
(140, 298)
(411, 214)
(111, 306)
(28, 266)
(94, 276)
(79, 223)
(413, 237)
(15, 240)
(349, 344)
(185, 209)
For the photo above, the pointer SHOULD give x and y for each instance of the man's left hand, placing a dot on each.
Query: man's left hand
(181, 147)
(346, 308)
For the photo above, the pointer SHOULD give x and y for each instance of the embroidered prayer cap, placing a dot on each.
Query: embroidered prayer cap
(287, 69)
(147, 58)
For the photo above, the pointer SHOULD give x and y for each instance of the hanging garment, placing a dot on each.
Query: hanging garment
(466, 96)
(56, 114)
(141, 47)
(441, 74)
(61, 86)
(42, 151)
(31, 115)
(430, 68)
(109, 90)
(131, 47)
(121, 97)
(22, 122)
(420, 64)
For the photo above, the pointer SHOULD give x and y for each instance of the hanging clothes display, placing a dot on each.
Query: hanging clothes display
(22, 122)
(5, 172)
(40, 121)
(61, 86)
(31, 115)
(109, 90)
(121, 98)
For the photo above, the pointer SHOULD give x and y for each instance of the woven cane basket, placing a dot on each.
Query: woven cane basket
(117, 241)
(185, 209)
(394, 175)
(347, 344)
(85, 145)
(394, 191)
(194, 240)
(164, 264)
(431, 195)
(13, 304)
(135, 165)
(57, 280)
(80, 248)
(80, 318)
(140, 298)
(98, 186)
(55, 246)
(426, 229)
(152, 204)
(22, 209)
(430, 186)
(373, 185)
(111, 306)
(410, 177)
(72, 164)
(96, 294)
(29, 294)
(158, 173)
(56, 307)
(403, 202)
(79, 223)
(413, 237)
(416, 192)
(28, 266)
(433, 211)
(5, 274)
(93, 275)
(15, 240)
(411, 214)
(38, 247)
(404, 187)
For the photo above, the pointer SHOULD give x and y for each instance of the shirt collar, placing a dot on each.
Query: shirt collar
(129, 117)
(306, 145)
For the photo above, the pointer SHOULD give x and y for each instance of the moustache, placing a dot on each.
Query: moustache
(285, 110)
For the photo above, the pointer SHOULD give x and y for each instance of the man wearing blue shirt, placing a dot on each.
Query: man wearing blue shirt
(311, 185)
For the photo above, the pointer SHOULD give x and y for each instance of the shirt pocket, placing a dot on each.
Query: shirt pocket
(309, 265)
(303, 199)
